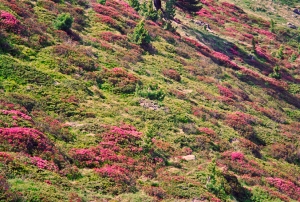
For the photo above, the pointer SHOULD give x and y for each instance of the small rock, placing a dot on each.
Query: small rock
(292, 26)
(297, 11)
(189, 157)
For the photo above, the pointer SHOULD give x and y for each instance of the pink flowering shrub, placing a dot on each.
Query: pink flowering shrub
(119, 79)
(117, 173)
(286, 187)
(118, 145)
(234, 19)
(268, 34)
(204, 13)
(118, 156)
(239, 164)
(107, 20)
(157, 192)
(124, 8)
(225, 91)
(241, 122)
(178, 94)
(25, 139)
(106, 10)
(172, 74)
(208, 131)
(5, 158)
(17, 113)
(237, 156)
(112, 37)
(8, 21)
(43, 164)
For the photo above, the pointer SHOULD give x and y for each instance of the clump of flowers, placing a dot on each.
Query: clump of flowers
(5, 157)
(172, 74)
(8, 21)
(237, 156)
(118, 79)
(225, 91)
(241, 122)
(114, 172)
(25, 139)
(16, 113)
(43, 164)
(285, 186)
(207, 131)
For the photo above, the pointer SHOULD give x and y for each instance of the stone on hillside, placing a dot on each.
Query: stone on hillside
(189, 157)
(292, 26)
(297, 11)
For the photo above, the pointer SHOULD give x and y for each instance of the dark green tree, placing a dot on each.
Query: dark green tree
(272, 26)
(253, 45)
(148, 11)
(275, 74)
(279, 53)
(170, 9)
(63, 21)
(135, 4)
(140, 35)
(189, 5)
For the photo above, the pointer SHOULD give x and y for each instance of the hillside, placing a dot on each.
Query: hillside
(103, 101)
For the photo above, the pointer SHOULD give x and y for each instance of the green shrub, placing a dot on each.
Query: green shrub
(272, 26)
(63, 21)
(279, 53)
(140, 35)
(135, 4)
(275, 74)
(149, 12)
(170, 9)
(151, 92)
(293, 57)
(101, 2)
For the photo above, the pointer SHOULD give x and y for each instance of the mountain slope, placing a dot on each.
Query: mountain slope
(207, 111)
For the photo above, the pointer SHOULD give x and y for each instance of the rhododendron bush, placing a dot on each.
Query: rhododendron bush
(8, 21)
(118, 156)
(119, 79)
(25, 139)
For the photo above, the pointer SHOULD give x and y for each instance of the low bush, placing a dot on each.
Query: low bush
(117, 79)
(63, 21)
(172, 74)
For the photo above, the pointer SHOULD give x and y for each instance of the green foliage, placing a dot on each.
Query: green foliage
(135, 4)
(140, 35)
(279, 53)
(215, 182)
(170, 9)
(63, 21)
(287, 2)
(101, 2)
(16, 73)
(148, 11)
(293, 57)
(272, 26)
(294, 114)
(294, 88)
(151, 92)
(260, 195)
(253, 45)
(37, 191)
(275, 74)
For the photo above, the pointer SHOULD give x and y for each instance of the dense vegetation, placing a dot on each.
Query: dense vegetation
(113, 101)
